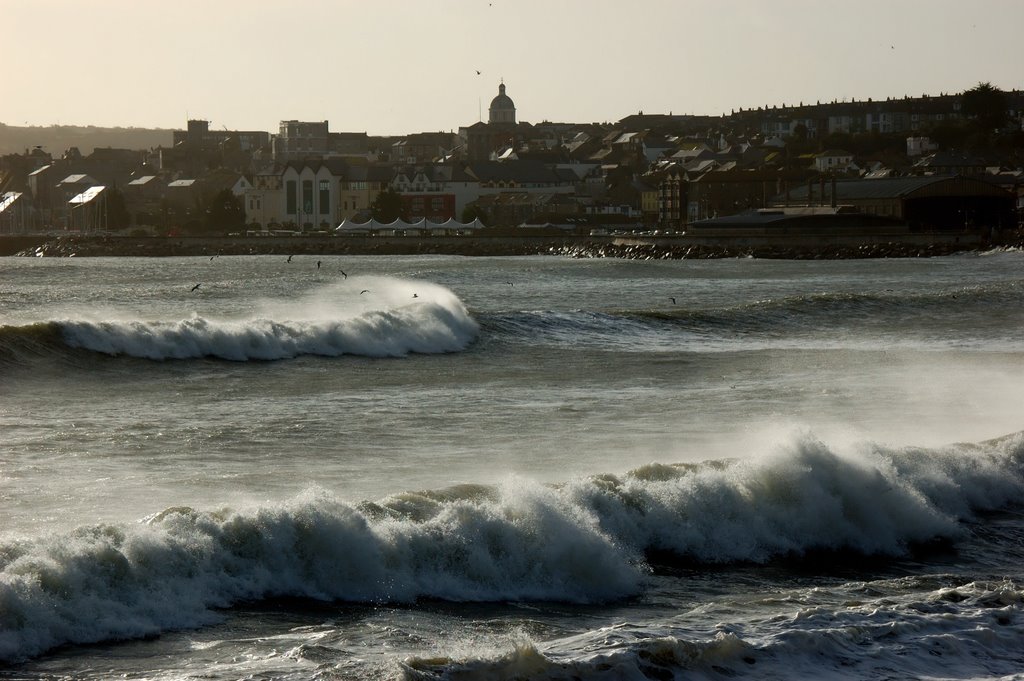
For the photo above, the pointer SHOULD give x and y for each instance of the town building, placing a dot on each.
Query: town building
(298, 140)
(485, 141)
(13, 213)
(944, 203)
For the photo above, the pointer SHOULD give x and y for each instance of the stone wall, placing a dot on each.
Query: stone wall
(903, 244)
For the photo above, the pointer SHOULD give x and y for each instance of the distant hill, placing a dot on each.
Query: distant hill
(56, 139)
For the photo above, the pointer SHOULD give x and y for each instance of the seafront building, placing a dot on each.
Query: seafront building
(644, 173)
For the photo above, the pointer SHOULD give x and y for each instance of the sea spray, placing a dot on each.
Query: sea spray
(806, 496)
(114, 583)
(367, 316)
(583, 541)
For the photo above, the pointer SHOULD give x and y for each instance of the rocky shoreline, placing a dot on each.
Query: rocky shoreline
(579, 247)
(657, 252)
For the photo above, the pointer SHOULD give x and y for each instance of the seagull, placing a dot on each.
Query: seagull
(365, 290)
(415, 295)
(510, 283)
(343, 273)
(478, 72)
(318, 264)
(673, 300)
(195, 287)
(289, 259)
(213, 256)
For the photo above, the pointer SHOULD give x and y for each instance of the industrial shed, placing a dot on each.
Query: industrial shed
(792, 221)
(946, 203)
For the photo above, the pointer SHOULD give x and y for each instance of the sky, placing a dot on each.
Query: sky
(390, 67)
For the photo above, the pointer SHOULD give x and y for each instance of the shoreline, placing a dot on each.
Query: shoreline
(636, 248)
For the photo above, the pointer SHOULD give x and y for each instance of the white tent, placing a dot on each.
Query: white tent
(448, 227)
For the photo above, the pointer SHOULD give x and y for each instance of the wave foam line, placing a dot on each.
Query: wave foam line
(583, 541)
(967, 631)
(384, 325)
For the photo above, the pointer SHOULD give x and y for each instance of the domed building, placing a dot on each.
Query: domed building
(485, 140)
(503, 109)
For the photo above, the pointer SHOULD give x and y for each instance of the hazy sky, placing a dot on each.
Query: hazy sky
(390, 67)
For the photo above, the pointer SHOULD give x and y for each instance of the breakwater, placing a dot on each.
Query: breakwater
(678, 247)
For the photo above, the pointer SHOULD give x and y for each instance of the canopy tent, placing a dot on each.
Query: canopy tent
(447, 227)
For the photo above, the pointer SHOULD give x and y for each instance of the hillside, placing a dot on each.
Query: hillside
(56, 139)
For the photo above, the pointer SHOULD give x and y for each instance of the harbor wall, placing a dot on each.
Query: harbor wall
(725, 244)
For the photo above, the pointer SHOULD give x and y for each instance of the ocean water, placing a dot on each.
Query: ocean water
(511, 468)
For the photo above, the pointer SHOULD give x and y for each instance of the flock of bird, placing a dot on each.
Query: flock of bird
(344, 274)
(319, 263)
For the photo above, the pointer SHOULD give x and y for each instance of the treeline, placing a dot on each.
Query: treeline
(56, 139)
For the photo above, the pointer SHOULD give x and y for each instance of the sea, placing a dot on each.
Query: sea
(455, 468)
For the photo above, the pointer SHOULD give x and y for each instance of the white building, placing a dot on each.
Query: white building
(833, 160)
(920, 146)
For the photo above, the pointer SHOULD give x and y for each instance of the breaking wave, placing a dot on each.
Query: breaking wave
(584, 541)
(396, 318)
(389, 322)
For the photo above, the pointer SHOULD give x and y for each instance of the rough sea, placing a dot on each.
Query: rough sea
(511, 468)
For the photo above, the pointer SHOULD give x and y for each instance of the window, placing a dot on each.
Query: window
(325, 197)
(290, 197)
(307, 197)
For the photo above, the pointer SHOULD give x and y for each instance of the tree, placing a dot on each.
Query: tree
(473, 212)
(118, 216)
(987, 104)
(387, 207)
(837, 140)
(225, 213)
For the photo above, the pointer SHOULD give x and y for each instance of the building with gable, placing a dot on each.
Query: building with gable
(311, 193)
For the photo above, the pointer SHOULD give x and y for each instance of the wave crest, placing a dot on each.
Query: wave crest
(584, 541)
(390, 322)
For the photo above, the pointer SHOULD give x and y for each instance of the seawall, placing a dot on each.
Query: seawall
(733, 244)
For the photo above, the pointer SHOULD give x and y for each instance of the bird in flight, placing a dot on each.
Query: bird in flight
(415, 295)
(195, 287)
(365, 290)
(343, 273)
(289, 259)
(318, 264)
(673, 300)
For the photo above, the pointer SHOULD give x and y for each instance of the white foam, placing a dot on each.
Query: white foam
(805, 496)
(580, 542)
(385, 321)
